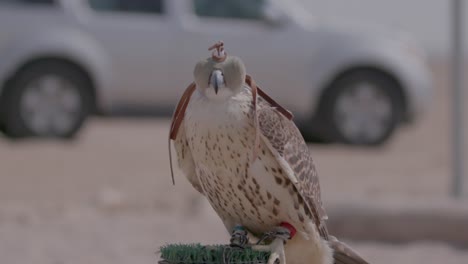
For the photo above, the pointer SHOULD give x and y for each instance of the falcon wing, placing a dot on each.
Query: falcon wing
(185, 159)
(177, 133)
(288, 146)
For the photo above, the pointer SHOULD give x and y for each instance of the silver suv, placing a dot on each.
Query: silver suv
(61, 60)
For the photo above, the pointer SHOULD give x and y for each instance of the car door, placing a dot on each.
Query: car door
(263, 45)
(136, 36)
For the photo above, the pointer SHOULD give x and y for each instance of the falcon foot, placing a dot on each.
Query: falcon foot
(239, 237)
(278, 238)
(276, 248)
(284, 232)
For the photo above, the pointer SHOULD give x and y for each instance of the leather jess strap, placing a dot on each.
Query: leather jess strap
(177, 119)
(251, 83)
(179, 113)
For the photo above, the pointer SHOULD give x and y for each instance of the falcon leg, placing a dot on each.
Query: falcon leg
(280, 235)
(277, 251)
(239, 237)
(284, 231)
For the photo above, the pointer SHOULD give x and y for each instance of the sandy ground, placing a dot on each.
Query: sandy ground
(108, 198)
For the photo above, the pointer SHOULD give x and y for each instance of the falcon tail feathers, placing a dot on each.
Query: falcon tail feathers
(343, 254)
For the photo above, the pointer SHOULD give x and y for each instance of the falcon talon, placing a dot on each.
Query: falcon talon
(279, 233)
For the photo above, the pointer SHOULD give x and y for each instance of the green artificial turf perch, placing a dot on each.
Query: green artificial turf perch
(199, 254)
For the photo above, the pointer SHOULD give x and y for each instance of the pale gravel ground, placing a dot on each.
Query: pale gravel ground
(107, 198)
(97, 236)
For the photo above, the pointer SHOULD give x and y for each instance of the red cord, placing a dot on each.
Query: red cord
(290, 227)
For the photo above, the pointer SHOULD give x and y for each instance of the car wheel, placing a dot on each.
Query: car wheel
(362, 108)
(46, 99)
(2, 128)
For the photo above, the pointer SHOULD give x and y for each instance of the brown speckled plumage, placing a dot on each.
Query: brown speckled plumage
(287, 140)
(252, 164)
(227, 149)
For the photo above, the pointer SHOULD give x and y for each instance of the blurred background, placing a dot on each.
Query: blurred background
(87, 88)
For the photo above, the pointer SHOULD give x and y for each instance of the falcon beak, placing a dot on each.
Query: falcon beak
(216, 80)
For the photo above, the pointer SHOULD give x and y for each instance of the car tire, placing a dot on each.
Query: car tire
(313, 136)
(49, 99)
(2, 128)
(361, 108)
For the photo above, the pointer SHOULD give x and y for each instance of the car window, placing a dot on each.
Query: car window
(49, 2)
(241, 9)
(138, 6)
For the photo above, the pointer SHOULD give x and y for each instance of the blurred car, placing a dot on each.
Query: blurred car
(62, 60)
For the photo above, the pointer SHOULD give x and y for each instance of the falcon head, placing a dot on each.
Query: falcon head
(219, 77)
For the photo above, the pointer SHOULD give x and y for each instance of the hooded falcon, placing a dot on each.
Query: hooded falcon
(240, 149)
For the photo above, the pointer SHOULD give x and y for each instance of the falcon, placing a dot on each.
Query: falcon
(242, 151)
